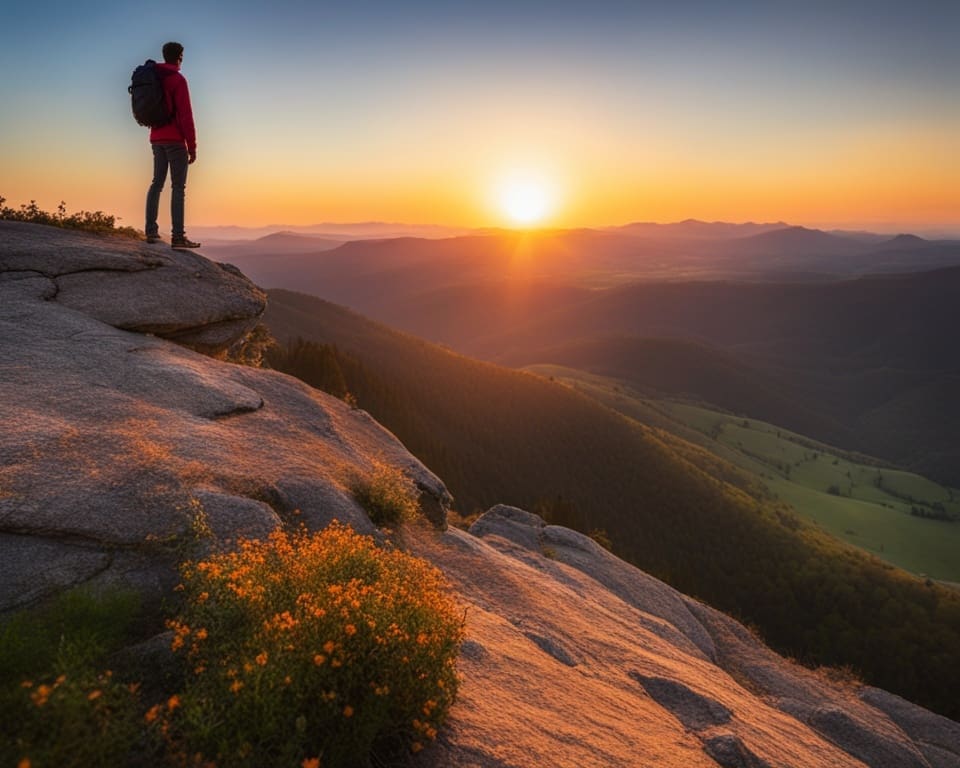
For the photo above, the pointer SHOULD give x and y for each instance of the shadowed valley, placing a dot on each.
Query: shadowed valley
(668, 506)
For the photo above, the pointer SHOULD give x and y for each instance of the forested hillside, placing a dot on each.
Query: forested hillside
(869, 364)
(497, 435)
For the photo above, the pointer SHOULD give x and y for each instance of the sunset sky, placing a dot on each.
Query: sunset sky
(824, 114)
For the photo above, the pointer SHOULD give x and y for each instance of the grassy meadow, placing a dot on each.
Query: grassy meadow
(888, 512)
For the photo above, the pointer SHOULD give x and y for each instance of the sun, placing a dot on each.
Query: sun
(525, 199)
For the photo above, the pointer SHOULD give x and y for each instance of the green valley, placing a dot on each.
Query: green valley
(899, 516)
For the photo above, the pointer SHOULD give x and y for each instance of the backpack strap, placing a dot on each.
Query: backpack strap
(163, 74)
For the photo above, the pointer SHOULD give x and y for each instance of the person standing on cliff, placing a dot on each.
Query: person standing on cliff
(174, 147)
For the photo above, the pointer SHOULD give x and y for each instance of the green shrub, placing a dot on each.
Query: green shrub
(600, 536)
(253, 348)
(60, 708)
(77, 719)
(311, 647)
(78, 629)
(388, 495)
(90, 221)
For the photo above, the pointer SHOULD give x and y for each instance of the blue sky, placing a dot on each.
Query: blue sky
(628, 107)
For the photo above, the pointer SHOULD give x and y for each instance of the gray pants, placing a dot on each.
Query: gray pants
(175, 157)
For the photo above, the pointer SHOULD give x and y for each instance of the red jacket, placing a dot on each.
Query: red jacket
(178, 102)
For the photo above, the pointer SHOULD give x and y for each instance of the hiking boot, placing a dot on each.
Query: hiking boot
(183, 243)
(151, 239)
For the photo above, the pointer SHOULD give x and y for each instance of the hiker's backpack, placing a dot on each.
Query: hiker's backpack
(147, 98)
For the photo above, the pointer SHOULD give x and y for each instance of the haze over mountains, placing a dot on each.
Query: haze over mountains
(594, 257)
(842, 336)
(335, 231)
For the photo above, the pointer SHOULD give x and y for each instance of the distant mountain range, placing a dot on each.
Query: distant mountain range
(850, 338)
(276, 244)
(364, 230)
(375, 230)
(695, 228)
(583, 257)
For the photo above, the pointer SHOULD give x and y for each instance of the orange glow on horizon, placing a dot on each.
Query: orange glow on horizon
(872, 184)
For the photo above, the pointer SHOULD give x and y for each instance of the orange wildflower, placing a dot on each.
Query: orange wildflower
(348, 711)
(173, 702)
(262, 659)
(94, 695)
(152, 713)
(310, 762)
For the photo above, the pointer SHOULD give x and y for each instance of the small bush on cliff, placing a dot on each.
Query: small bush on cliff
(253, 348)
(76, 629)
(311, 646)
(90, 221)
(60, 705)
(78, 718)
(387, 494)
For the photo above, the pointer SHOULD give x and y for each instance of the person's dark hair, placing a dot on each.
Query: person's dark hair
(172, 52)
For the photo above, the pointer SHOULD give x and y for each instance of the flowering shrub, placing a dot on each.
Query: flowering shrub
(311, 647)
(59, 707)
(387, 494)
(85, 719)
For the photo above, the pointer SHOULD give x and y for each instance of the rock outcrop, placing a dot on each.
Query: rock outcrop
(153, 289)
(575, 658)
(117, 448)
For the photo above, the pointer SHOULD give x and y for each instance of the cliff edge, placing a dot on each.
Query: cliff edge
(120, 438)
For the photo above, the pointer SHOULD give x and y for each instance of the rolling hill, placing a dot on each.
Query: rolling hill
(273, 245)
(691, 370)
(672, 508)
(690, 228)
(868, 363)
(412, 266)
(897, 516)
